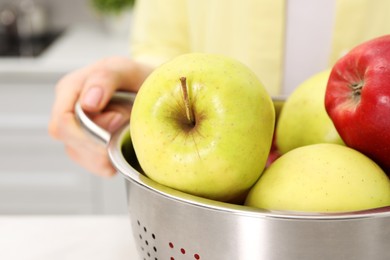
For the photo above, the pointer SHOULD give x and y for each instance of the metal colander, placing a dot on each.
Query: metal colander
(171, 225)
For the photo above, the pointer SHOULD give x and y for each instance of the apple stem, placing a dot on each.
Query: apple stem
(187, 104)
(357, 88)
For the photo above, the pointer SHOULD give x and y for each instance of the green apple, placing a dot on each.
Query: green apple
(303, 119)
(321, 178)
(203, 124)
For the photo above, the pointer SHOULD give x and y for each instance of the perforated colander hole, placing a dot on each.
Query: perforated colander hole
(146, 242)
(182, 251)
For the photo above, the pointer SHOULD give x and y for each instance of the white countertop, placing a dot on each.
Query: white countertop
(97, 237)
(75, 48)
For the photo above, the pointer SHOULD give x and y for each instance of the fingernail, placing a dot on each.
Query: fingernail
(115, 123)
(93, 97)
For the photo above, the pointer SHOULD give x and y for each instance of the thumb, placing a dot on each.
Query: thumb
(97, 91)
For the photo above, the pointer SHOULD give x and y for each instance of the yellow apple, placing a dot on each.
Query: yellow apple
(321, 178)
(203, 124)
(303, 119)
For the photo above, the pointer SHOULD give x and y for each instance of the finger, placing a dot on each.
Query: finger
(111, 121)
(70, 132)
(98, 89)
(114, 116)
(109, 75)
(93, 162)
(83, 150)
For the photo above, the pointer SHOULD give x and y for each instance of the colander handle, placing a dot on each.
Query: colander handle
(90, 126)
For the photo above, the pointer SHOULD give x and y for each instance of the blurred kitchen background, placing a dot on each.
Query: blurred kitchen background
(40, 41)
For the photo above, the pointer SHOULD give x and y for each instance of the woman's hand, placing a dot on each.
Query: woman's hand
(94, 86)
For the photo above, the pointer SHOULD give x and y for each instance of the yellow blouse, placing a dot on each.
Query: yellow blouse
(251, 31)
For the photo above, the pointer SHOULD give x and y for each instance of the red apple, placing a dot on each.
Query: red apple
(274, 153)
(357, 99)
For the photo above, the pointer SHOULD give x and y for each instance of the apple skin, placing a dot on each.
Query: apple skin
(223, 154)
(358, 99)
(321, 178)
(303, 119)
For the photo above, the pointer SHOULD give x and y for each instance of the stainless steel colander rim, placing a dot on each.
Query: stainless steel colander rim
(137, 178)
